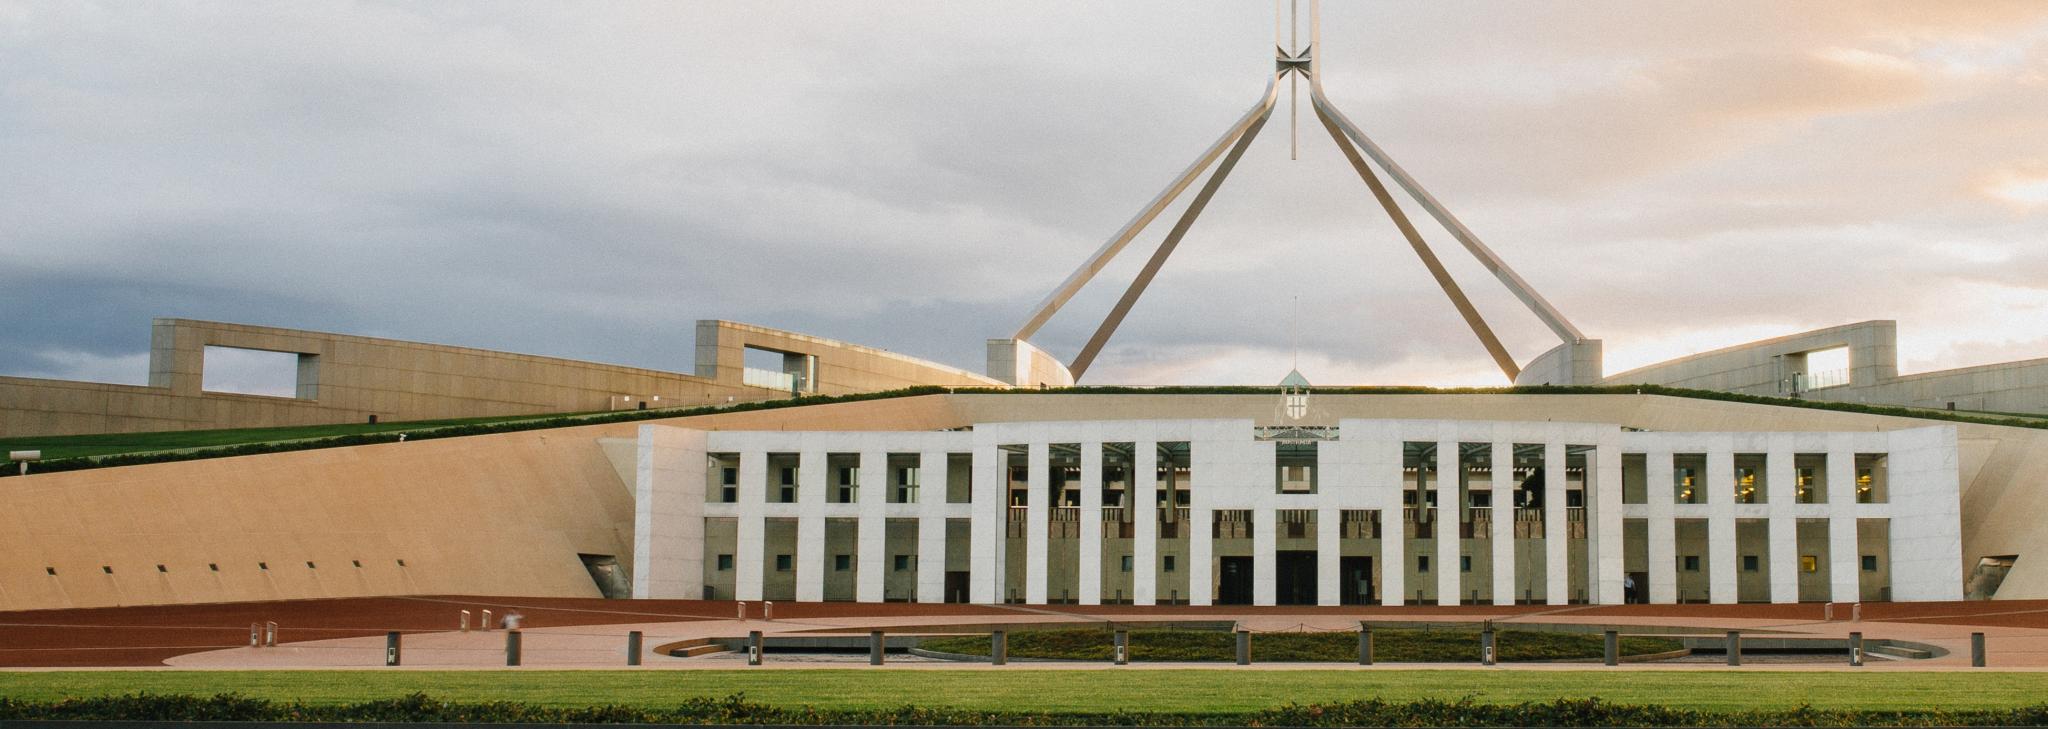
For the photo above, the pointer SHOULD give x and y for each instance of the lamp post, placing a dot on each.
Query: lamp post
(23, 457)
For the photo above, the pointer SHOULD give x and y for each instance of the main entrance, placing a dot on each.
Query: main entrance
(1354, 580)
(1295, 573)
(1234, 586)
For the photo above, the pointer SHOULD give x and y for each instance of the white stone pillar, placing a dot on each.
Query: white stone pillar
(1604, 521)
(1503, 478)
(871, 534)
(933, 475)
(1265, 553)
(1844, 568)
(668, 514)
(1089, 572)
(1384, 451)
(1721, 552)
(1556, 536)
(1201, 533)
(1779, 494)
(1661, 528)
(749, 574)
(1329, 549)
(1145, 523)
(811, 477)
(987, 526)
(1449, 478)
(1038, 523)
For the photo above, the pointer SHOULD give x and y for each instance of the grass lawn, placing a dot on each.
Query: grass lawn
(106, 444)
(1024, 689)
(1389, 645)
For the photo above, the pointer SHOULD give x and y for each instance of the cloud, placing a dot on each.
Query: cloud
(585, 181)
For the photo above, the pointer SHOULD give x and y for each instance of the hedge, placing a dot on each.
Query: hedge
(735, 709)
(82, 463)
(1390, 645)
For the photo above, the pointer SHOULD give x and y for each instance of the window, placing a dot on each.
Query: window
(1422, 563)
(51, 570)
(1464, 563)
(724, 562)
(1870, 563)
(1169, 562)
(310, 566)
(1127, 563)
(789, 475)
(107, 569)
(1749, 563)
(1809, 563)
(789, 494)
(782, 563)
(729, 476)
(842, 562)
(902, 563)
(357, 562)
(212, 567)
(266, 565)
(160, 568)
(729, 495)
(1692, 563)
(401, 563)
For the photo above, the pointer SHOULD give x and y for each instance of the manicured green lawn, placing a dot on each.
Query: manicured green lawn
(72, 446)
(1389, 645)
(1025, 689)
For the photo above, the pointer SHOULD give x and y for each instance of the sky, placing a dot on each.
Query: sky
(586, 180)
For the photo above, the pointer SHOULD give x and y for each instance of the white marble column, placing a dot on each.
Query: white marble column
(1089, 572)
(932, 474)
(986, 526)
(1265, 554)
(752, 493)
(811, 478)
(1038, 523)
(1503, 478)
(1779, 495)
(1329, 549)
(871, 534)
(1604, 521)
(1449, 478)
(1145, 523)
(1721, 551)
(1201, 533)
(668, 514)
(1661, 528)
(1844, 568)
(1556, 536)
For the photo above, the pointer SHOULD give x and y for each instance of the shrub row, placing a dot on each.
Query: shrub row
(75, 464)
(1398, 645)
(735, 709)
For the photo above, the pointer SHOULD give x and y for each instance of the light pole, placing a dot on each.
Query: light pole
(23, 457)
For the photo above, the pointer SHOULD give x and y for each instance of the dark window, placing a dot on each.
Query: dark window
(842, 562)
(729, 494)
(730, 476)
(357, 562)
(789, 494)
(160, 568)
(1169, 563)
(724, 562)
(213, 566)
(262, 565)
(1127, 563)
(902, 563)
(1749, 563)
(401, 563)
(1422, 563)
(1465, 563)
(1692, 563)
(107, 569)
(309, 565)
(782, 563)
(788, 476)
(51, 570)
(1870, 563)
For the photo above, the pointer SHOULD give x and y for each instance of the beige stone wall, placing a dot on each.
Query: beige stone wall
(509, 513)
(348, 379)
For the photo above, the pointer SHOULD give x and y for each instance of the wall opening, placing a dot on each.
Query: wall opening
(779, 370)
(604, 570)
(1988, 575)
(1826, 368)
(239, 371)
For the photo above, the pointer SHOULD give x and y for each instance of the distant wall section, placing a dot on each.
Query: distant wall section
(344, 378)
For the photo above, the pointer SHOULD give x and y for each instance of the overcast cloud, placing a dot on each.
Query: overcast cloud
(587, 179)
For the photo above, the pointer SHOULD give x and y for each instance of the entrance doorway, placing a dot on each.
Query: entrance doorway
(1235, 587)
(1354, 580)
(1637, 588)
(1295, 571)
(956, 586)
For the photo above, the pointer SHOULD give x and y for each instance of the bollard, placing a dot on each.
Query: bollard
(1123, 647)
(875, 647)
(270, 634)
(742, 608)
(1855, 649)
(1364, 643)
(1734, 647)
(391, 648)
(1977, 650)
(1244, 647)
(512, 647)
(484, 622)
(633, 648)
(465, 621)
(998, 648)
(255, 635)
(754, 648)
(1486, 644)
(1610, 647)
(1827, 613)
(1856, 613)
(767, 610)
